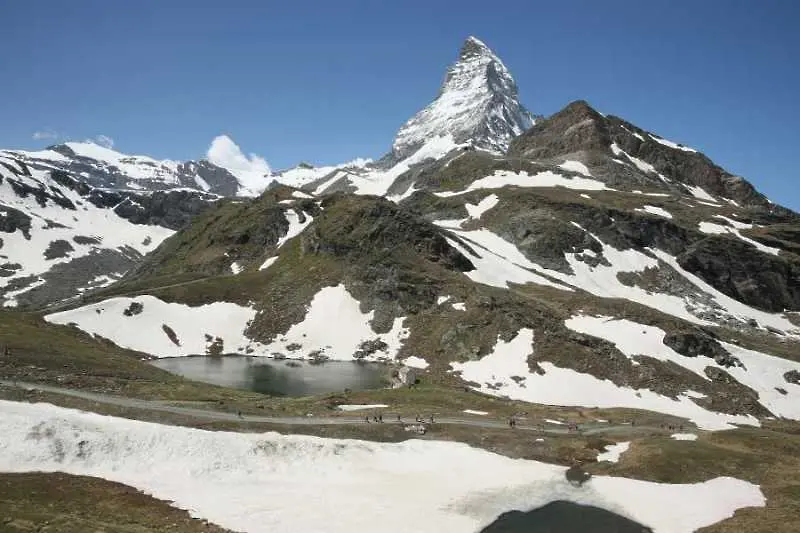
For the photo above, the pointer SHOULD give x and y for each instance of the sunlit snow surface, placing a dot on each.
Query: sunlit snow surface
(672, 144)
(505, 372)
(271, 483)
(505, 178)
(653, 210)
(197, 327)
(714, 228)
(613, 452)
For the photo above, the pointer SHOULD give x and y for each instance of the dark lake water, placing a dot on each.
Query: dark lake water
(276, 377)
(564, 517)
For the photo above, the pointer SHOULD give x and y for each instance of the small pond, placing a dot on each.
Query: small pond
(564, 517)
(278, 377)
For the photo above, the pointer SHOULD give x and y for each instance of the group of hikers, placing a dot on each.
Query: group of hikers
(378, 419)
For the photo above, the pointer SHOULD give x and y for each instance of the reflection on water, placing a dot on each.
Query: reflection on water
(277, 377)
(564, 517)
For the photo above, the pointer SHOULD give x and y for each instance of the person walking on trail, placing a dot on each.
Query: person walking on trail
(380, 418)
(366, 419)
(431, 419)
(398, 418)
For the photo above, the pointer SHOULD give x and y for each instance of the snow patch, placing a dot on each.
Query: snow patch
(613, 452)
(671, 144)
(295, 226)
(474, 412)
(701, 194)
(477, 210)
(268, 263)
(337, 339)
(505, 178)
(653, 210)
(684, 436)
(712, 228)
(361, 406)
(416, 362)
(575, 166)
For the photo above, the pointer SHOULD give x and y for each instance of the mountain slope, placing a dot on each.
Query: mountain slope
(60, 237)
(526, 289)
(476, 104)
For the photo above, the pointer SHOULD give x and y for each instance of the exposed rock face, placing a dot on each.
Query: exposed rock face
(477, 104)
(575, 128)
(698, 344)
(740, 271)
(378, 225)
(171, 209)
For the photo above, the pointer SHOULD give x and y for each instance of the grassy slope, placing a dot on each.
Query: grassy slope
(62, 503)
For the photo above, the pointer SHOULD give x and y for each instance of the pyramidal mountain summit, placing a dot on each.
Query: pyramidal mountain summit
(477, 104)
(575, 260)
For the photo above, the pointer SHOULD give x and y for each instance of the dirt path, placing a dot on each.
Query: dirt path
(206, 414)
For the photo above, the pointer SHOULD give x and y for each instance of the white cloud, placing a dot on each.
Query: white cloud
(105, 141)
(45, 135)
(225, 153)
(252, 171)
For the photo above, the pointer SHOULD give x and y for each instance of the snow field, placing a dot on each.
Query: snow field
(505, 372)
(275, 483)
(144, 332)
(505, 178)
(761, 372)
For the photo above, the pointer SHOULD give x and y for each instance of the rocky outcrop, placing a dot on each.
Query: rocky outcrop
(354, 225)
(575, 128)
(699, 344)
(742, 272)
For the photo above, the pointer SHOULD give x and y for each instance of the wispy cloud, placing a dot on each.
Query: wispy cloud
(104, 141)
(45, 135)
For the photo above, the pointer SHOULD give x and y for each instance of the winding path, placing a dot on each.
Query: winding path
(161, 406)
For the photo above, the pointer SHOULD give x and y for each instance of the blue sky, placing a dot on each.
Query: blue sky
(330, 81)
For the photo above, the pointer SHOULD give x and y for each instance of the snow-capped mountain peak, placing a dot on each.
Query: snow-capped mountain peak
(477, 103)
